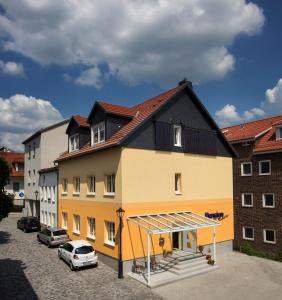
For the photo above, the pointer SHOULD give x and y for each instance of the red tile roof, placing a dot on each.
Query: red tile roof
(81, 121)
(117, 109)
(12, 158)
(140, 113)
(250, 130)
(268, 142)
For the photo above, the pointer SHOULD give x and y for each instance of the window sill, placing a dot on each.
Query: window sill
(265, 174)
(91, 194)
(246, 175)
(109, 194)
(76, 194)
(247, 206)
(64, 194)
(268, 207)
(247, 239)
(76, 232)
(268, 242)
(109, 243)
(178, 193)
(91, 237)
(179, 146)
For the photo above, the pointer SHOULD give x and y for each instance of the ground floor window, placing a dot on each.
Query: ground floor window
(65, 220)
(248, 233)
(110, 233)
(53, 219)
(247, 199)
(16, 187)
(49, 219)
(76, 219)
(269, 236)
(91, 228)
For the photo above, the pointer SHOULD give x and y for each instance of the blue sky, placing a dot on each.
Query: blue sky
(56, 61)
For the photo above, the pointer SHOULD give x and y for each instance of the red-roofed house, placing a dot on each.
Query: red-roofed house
(16, 184)
(163, 155)
(257, 183)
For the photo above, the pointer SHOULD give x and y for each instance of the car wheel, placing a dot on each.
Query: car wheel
(96, 265)
(38, 239)
(25, 231)
(48, 245)
(59, 255)
(71, 266)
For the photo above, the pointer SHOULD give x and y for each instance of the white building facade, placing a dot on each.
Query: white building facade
(48, 182)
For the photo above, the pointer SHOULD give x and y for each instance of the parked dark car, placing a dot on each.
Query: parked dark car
(28, 224)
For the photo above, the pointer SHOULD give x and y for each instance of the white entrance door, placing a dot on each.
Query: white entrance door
(189, 239)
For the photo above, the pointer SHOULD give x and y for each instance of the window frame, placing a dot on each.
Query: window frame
(243, 203)
(112, 185)
(65, 220)
(262, 161)
(178, 187)
(34, 146)
(263, 200)
(64, 186)
(99, 130)
(177, 136)
(244, 236)
(18, 190)
(264, 236)
(76, 184)
(74, 142)
(89, 234)
(278, 133)
(76, 227)
(89, 192)
(108, 240)
(242, 168)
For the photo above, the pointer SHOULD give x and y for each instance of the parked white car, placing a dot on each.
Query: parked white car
(78, 254)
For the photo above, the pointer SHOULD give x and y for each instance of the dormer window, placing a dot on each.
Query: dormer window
(74, 142)
(177, 135)
(278, 133)
(98, 133)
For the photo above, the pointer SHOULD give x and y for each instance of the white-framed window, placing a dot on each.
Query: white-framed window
(110, 188)
(269, 236)
(48, 193)
(45, 193)
(53, 219)
(34, 177)
(268, 200)
(247, 199)
(54, 196)
(19, 167)
(177, 135)
(110, 233)
(76, 220)
(65, 186)
(49, 219)
(278, 133)
(76, 185)
(29, 151)
(29, 178)
(46, 218)
(91, 185)
(65, 220)
(177, 183)
(34, 150)
(265, 167)
(74, 142)
(98, 133)
(248, 233)
(91, 228)
(246, 169)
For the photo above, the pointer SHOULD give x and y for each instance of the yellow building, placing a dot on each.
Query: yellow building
(162, 156)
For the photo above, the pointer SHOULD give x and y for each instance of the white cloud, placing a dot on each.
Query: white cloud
(91, 77)
(140, 41)
(273, 99)
(229, 115)
(11, 68)
(23, 115)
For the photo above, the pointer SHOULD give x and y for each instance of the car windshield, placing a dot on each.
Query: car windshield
(84, 250)
(32, 221)
(59, 232)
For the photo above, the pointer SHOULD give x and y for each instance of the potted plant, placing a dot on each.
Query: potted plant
(211, 262)
(208, 256)
(201, 248)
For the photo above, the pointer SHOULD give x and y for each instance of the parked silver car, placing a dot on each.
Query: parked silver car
(53, 236)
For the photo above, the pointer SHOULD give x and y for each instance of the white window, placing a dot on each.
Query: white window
(49, 219)
(177, 184)
(53, 194)
(34, 177)
(76, 185)
(76, 219)
(19, 167)
(33, 150)
(110, 233)
(177, 135)
(110, 184)
(29, 178)
(247, 199)
(42, 217)
(269, 236)
(53, 219)
(91, 185)
(48, 193)
(65, 186)
(98, 133)
(278, 133)
(248, 233)
(91, 228)
(29, 151)
(46, 218)
(73, 142)
(246, 169)
(268, 200)
(265, 167)
(65, 220)
(45, 193)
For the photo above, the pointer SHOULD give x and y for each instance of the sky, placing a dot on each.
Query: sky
(58, 57)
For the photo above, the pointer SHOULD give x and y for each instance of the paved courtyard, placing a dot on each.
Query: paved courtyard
(29, 270)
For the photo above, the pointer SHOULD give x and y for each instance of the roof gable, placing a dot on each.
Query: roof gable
(79, 121)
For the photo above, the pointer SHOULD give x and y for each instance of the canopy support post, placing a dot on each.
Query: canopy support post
(148, 261)
(214, 244)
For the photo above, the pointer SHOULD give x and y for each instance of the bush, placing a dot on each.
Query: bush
(248, 249)
(6, 204)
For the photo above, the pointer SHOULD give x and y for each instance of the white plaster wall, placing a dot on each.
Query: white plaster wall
(9, 189)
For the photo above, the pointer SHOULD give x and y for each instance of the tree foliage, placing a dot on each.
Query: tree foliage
(4, 173)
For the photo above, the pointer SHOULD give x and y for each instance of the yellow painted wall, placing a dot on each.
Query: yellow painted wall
(145, 184)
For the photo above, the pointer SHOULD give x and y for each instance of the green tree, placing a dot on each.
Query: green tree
(6, 201)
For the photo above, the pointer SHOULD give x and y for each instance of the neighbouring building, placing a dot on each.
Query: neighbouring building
(16, 184)
(41, 149)
(257, 179)
(157, 158)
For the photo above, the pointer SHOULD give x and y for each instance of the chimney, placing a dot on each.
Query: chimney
(186, 81)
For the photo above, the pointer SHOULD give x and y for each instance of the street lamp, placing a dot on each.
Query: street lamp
(36, 196)
(120, 213)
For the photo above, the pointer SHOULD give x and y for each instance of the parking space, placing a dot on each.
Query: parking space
(30, 270)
